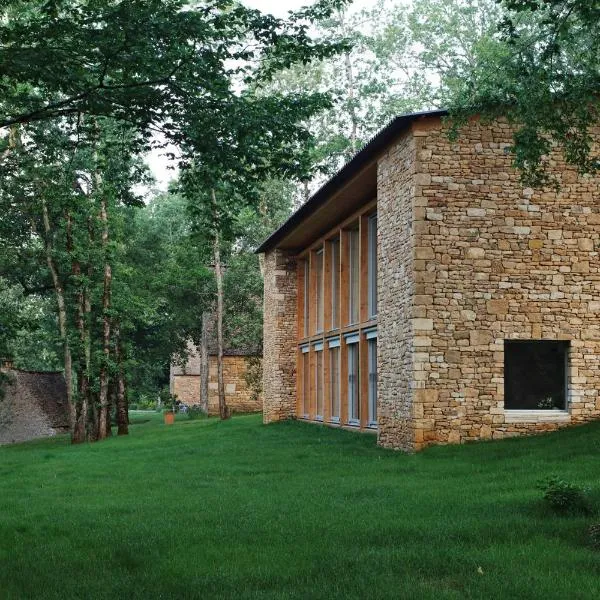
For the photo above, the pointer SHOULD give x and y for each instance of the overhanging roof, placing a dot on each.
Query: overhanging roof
(358, 162)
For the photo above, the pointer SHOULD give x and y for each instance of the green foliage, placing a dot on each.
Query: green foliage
(564, 497)
(253, 376)
(543, 74)
(594, 533)
(194, 412)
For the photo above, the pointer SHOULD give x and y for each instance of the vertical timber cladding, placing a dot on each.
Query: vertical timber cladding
(280, 335)
(495, 261)
(396, 285)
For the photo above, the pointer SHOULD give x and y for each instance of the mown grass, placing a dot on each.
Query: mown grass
(205, 509)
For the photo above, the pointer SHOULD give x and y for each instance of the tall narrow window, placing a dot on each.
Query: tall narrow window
(334, 379)
(305, 382)
(319, 383)
(306, 297)
(354, 277)
(372, 350)
(353, 384)
(319, 291)
(335, 283)
(372, 265)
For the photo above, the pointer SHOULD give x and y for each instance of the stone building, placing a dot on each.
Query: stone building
(240, 397)
(425, 294)
(32, 405)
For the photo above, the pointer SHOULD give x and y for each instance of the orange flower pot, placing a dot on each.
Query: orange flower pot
(169, 418)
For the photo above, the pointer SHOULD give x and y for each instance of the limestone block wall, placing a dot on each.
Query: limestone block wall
(33, 405)
(280, 336)
(185, 384)
(396, 296)
(496, 261)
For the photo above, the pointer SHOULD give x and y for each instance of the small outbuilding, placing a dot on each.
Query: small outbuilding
(32, 405)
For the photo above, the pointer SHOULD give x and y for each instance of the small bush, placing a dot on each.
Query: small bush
(595, 536)
(564, 497)
(194, 412)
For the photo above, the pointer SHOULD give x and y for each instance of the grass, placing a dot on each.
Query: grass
(205, 509)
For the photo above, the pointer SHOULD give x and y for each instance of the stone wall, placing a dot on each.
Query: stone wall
(280, 336)
(496, 261)
(395, 191)
(33, 405)
(185, 384)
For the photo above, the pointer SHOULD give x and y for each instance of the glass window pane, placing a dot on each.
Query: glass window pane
(306, 298)
(335, 283)
(319, 291)
(354, 276)
(319, 383)
(372, 264)
(306, 383)
(372, 381)
(353, 384)
(334, 370)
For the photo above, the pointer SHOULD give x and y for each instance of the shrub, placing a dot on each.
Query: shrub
(194, 412)
(595, 535)
(564, 497)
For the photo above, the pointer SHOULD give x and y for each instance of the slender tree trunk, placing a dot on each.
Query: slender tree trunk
(122, 412)
(103, 397)
(62, 313)
(223, 408)
(351, 102)
(204, 362)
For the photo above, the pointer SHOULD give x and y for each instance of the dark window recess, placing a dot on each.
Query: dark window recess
(535, 375)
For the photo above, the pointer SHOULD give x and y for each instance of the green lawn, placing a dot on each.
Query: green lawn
(205, 509)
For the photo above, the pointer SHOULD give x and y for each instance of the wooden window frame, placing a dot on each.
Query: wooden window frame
(308, 336)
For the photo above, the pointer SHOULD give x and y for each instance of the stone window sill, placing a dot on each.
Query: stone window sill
(536, 416)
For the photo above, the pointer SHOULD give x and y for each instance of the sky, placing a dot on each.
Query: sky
(156, 160)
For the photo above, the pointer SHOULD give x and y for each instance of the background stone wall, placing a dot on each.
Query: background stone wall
(33, 405)
(396, 295)
(185, 384)
(280, 336)
(496, 261)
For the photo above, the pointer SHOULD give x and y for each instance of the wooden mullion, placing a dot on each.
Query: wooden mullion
(299, 383)
(312, 403)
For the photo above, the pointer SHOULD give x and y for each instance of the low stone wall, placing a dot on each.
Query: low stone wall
(33, 405)
(186, 386)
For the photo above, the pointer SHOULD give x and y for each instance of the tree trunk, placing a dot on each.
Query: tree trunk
(103, 396)
(62, 313)
(223, 408)
(122, 412)
(204, 363)
(351, 102)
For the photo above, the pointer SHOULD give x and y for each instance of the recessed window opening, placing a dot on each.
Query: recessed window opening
(306, 296)
(335, 283)
(535, 375)
(334, 379)
(372, 266)
(305, 383)
(372, 356)
(354, 277)
(319, 381)
(353, 384)
(319, 273)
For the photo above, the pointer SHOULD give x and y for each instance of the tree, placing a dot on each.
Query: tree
(543, 75)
